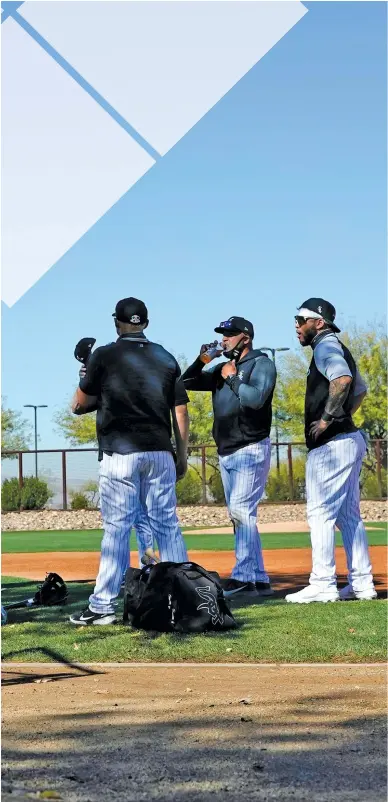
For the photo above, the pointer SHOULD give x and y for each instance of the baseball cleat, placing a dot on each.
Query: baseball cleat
(88, 618)
(313, 593)
(264, 589)
(347, 594)
(235, 586)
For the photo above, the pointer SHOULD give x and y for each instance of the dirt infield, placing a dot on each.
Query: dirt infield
(286, 567)
(194, 734)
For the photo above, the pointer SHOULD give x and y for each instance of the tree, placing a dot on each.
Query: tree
(289, 395)
(80, 430)
(369, 348)
(15, 430)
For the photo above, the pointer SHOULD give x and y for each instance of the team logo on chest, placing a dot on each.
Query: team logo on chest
(241, 374)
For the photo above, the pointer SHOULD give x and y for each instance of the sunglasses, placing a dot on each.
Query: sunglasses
(232, 332)
(302, 320)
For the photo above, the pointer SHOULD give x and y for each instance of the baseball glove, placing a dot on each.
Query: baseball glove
(52, 591)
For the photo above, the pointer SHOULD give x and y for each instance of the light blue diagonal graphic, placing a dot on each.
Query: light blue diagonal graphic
(65, 162)
(163, 65)
(84, 84)
(8, 9)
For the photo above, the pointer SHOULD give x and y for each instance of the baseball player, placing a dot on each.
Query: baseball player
(336, 449)
(136, 387)
(242, 389)
(143, 531)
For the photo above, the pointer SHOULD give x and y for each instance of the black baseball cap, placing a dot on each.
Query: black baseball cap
(131, 310)
(319, 308)
(236, 325)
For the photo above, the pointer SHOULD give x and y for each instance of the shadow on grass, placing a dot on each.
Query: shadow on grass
(303, 747)
(19, 677)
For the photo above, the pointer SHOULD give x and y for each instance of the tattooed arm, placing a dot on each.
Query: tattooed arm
(338, 393)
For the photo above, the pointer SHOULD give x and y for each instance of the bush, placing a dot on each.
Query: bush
(91, 491)
(79, 501)
(189, 489)
(216, 488)
(369, 484)
(278, 486)
(10, 495)
(33, 495)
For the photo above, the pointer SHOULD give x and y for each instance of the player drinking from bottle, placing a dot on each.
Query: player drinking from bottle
(242, 389)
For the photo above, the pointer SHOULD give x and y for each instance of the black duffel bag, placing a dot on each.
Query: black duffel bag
(175, 597)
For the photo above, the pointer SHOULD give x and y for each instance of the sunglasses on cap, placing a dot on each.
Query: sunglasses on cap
(227, 324)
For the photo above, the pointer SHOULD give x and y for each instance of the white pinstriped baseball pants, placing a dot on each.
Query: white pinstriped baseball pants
(244, 475)
(126, 482)
(333, 498)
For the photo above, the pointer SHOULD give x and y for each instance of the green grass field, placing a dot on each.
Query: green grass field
(90, 540)
(270, 631)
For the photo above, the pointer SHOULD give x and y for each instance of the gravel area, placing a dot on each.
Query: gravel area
(194, 734)
(188, 516)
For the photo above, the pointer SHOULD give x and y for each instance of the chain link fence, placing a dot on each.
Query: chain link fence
(74, 472)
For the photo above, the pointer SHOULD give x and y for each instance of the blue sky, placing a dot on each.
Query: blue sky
(279, 193)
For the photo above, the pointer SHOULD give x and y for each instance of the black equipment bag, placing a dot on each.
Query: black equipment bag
(175, 597)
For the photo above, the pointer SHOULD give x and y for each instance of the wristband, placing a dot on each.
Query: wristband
(234, 383)
(327, 417)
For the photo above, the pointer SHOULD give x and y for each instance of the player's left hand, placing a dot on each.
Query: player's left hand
(229, 370)
(181, 468)
(317, 428)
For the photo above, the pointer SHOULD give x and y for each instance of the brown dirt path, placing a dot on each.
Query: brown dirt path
(271, 528)
(185, 734)
(286, 567)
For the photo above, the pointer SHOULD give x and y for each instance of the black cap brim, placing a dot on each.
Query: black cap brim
(333, 326)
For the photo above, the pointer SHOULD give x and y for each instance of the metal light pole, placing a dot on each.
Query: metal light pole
(273, 352)
(35, 407)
